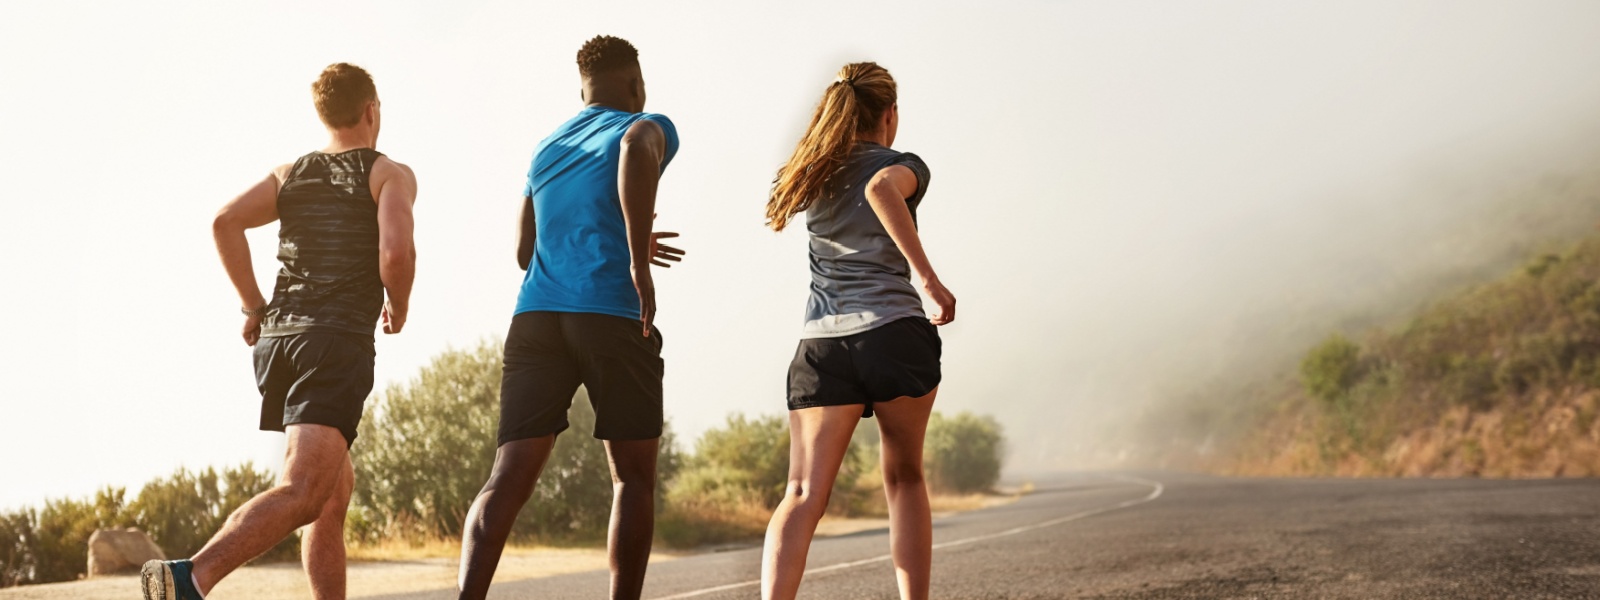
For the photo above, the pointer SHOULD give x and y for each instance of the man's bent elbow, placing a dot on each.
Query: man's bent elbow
(398, 259)
(225, 224)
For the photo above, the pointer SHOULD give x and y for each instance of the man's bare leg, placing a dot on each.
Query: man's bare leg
(311, 473)
(516, 471)
(322, 547)
(633, 513)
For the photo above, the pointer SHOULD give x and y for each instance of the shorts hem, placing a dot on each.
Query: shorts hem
(815, 404)
(925, 392)
(625, 437)
(793, 405)
(349, 432)
(503, 439)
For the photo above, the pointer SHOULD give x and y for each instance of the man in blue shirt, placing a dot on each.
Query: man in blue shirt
(585, 316)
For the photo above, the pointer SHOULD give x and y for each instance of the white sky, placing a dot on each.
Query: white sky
(1090, 160)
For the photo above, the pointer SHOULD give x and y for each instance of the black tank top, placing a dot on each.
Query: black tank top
(328, 244)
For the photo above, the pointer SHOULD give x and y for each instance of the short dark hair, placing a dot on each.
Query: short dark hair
(606, 53)
(342, 93)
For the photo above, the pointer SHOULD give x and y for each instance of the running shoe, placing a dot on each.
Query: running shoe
(169, 580)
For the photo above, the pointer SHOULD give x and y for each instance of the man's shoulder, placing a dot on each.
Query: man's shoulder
(284, 172)
(386, 172)
(385, 166)
(646, 126)
(281, 173)
(659, 120)
(653, 125)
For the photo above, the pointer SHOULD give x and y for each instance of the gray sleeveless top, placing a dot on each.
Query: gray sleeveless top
(328, 244)
(859, 278)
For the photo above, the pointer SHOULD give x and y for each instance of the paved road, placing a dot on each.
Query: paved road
(1159, 536)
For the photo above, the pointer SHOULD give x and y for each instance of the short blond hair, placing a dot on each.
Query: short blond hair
(341, 94)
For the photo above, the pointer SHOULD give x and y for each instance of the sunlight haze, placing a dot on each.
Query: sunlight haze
(1119, 189)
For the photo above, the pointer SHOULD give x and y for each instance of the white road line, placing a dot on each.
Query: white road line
(1155, 492)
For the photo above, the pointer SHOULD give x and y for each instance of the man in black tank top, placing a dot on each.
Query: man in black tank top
(344, 239)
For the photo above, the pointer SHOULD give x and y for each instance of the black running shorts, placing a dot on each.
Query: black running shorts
(549, 354)
(899, 359)
(317, 377)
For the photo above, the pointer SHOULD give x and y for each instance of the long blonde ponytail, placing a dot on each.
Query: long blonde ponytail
(851, 107)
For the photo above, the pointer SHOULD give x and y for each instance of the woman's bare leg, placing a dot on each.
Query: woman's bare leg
(903, 424)
(818, 440)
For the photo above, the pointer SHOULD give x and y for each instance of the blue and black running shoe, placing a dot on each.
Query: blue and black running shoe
(169, 580)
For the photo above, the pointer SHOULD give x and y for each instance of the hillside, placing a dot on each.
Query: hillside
(1502, 380)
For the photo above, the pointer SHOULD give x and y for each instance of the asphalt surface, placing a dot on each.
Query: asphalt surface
(1160, 536)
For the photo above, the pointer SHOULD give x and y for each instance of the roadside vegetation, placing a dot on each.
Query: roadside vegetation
(1267, 391)
(49, 543)
(1502, 380)
(426, 447)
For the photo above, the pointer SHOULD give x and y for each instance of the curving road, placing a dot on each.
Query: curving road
(1158, 536)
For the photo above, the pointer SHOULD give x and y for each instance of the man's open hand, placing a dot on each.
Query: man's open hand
(662, 255)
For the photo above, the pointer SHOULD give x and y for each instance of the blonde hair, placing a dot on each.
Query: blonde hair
(851, 107)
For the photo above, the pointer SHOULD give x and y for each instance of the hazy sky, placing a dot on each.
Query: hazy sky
(1095, 164)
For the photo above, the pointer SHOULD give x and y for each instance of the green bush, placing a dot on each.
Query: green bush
(709, 504)
(748, 458)
(61, 533)
(746, 454)
(573, 499)
(1331, 368)
(715, 485)
(17, 562)
(963, 453)
(180, 513)
(183, 511)
(423, 450)
(1471, 381)
(1541, 265)
(177, 511)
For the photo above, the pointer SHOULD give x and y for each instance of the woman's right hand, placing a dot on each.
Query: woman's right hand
(944, 301)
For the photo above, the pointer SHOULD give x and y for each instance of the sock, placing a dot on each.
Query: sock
(196, 583)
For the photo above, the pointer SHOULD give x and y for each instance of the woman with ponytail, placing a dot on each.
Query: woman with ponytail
(867, 347)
